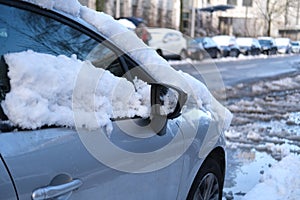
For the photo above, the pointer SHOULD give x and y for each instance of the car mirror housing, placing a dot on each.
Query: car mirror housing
(166, 103)
(167, 100)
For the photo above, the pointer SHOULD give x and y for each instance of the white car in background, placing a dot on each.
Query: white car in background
(168, 43)
(283, 45)
(295, 46)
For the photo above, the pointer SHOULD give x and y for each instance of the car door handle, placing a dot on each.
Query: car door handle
(55, 191)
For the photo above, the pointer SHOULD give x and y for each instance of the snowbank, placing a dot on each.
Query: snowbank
(159, 68)
(281, 182)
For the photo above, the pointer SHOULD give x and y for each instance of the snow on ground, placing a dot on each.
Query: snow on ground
(280, 182)
(266, 121)
(224, 59)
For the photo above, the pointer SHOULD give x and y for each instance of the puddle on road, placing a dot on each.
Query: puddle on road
(244, 169)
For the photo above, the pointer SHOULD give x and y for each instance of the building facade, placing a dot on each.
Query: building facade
(196, 18)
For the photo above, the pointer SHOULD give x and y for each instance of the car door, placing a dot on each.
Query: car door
(6, 183)
(134, 162)
(172, 44)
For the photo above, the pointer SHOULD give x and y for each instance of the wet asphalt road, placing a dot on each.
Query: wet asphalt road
(231, 71)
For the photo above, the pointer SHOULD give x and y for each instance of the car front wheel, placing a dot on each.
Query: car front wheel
(208, 184)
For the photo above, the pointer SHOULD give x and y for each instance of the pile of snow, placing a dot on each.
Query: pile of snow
(281, 181)
(42, 92)
(128, 24)
(122, 37)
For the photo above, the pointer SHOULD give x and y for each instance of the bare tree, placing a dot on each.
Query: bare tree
(270, 11)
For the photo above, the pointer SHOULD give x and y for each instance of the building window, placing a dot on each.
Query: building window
(232, 2)
(247, 3)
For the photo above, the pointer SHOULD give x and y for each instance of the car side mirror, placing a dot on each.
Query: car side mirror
(166, 103)
(167, 100)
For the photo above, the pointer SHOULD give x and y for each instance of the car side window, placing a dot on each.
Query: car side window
(169, 37)
(29, 30)
(22, 30)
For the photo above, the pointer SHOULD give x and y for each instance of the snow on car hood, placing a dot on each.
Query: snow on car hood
(126, 40)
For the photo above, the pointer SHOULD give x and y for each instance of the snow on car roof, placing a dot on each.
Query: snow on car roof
(126, 40)
(127, 23)
(282, 41)
(244, 41)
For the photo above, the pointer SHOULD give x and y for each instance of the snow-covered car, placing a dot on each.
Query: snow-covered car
(195, 50)
(248, 46)
(283, 45)
(88, 111)
(295, 45)
(168, 43)
(227, 45)
(268, 45)
(201, 47)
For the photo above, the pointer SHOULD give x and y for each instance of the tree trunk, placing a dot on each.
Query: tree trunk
(100, 5)
(181, 16)
(269, 27)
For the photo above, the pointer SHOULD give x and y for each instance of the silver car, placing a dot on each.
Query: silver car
(179, 155)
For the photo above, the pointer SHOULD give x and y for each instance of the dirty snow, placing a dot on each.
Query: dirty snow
(266, 121)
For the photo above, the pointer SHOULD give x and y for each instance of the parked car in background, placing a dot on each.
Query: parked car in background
(53, 56)
(227, 45)
(295, 45)
(195, 50)
(168, 43)
(248, 46)
(137, 25)
(203, 47)
(210, 46)
(268, 45)
(283, 45)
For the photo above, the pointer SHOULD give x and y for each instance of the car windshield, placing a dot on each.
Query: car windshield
(265, 42)
(199, 40)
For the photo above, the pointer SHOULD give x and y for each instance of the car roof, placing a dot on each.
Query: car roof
(265, 38)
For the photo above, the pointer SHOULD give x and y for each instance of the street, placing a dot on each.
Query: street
(237, 70)
(263, 95)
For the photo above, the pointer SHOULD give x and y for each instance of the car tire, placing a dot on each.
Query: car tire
(219, 54)
(234, 53)
(208, 184)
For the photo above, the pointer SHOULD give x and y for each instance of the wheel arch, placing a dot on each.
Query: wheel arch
(218, 154)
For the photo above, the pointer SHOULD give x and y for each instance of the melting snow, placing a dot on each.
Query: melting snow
(281, 181)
